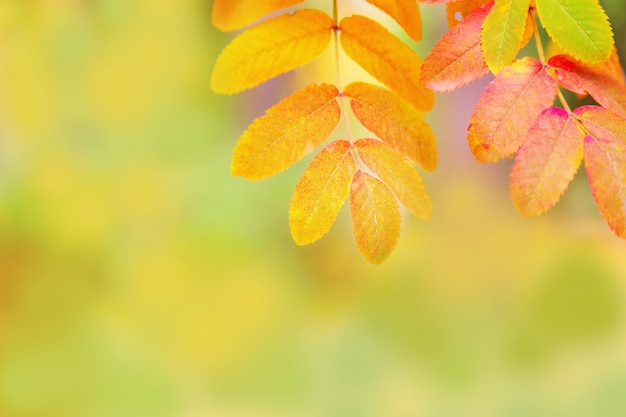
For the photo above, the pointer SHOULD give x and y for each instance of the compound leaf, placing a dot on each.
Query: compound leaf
(605, 164)
(405, 12)
(456, 59)
(580, 27)
(386, 57)
(546, 162)
(320, 192)
(395, 121)
(230, 15)
(271, 48)
(290, 129)
(502, 32)
(508, 107)
(398, 174)
(598, 81)
(375, 217)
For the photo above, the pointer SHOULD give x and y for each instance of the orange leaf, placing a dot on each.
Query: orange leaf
(602, 123)
(405, 12)
(437, 1)
(320, 193)
(375, 217)
(546, 162)
(230, 15)
(458, 10)
(386, 57)
(456, 59)
(398, 173)
(395, 121)
(271, 48)
(605, 164)
(584, 78)
(529, 29)
(614, 67)
(508, 107)
(289, 130)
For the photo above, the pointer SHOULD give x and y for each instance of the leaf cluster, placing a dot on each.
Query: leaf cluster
(374, 174)
(522, 112)
(518, 114)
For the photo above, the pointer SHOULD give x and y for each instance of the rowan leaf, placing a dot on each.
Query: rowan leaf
(395, 121)
(271, 48)
(508, 107)
(398, 174)
(230, 15)
(546, 162)
(531, 26)
(605, 164)
(320, 192)
(614, 67)
(596, 80)
(458, 10)
(375, 217)
(602, 123)
(502, 32)
(386, 57)
(287, 132)
(456, 59)
(580, 27)
(405, 12)
(436, 1)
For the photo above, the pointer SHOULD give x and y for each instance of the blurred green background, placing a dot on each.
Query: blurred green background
(138, 278)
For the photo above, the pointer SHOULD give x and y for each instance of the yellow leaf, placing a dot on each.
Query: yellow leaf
(289, 130)
(386, 57)
(395, 121)
(230, 15)
(271, 48)
(375, 217)
(320, 193)
(405, 12)
(398, 173)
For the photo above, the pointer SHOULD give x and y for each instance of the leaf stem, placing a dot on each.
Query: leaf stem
(542, 58)
(342, 101)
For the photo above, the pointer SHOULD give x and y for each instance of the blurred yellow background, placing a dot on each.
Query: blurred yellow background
(138, 278)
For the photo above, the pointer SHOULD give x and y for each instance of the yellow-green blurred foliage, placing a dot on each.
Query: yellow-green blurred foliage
(137, 278)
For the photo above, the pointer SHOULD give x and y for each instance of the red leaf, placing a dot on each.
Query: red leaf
(583, 78)
(457, 58)
(602, 123)
(605, 164)
(546, 162)
(507, 109)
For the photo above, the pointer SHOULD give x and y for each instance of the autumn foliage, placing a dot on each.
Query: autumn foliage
(516, 115)
(522, 113)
